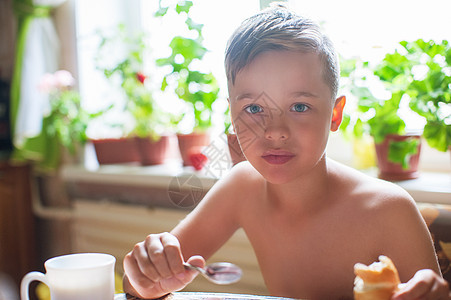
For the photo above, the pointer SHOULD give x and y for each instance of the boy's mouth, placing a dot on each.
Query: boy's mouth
(277, 157)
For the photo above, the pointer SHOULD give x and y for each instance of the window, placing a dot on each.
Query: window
(365, 28)
(138, 15)
(370, 29)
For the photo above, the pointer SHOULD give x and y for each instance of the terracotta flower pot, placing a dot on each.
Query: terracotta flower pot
(234, 148)
(389, 170)
(192, 140)
(152, 152)
(115, 151)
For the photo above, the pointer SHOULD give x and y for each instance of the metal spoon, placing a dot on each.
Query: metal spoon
(219, 273)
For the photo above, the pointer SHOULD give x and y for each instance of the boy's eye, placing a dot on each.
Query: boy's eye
(253, 109)
(299, 107)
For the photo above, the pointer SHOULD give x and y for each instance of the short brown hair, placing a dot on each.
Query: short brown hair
(278, 28)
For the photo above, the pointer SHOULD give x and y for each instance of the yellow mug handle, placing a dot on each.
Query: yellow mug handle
(30, 277)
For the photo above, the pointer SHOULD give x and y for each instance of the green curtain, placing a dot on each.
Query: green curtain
(38, 146)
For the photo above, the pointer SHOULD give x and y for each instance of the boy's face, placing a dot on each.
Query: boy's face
(282, 111)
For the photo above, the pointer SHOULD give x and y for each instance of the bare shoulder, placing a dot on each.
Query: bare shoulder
(235, 189)
(242, 178)
(376, 202)
(245, 186)
(368, 192)
(245, 170)
(388, 215)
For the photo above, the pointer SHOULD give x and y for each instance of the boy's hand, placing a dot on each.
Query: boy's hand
(426, 284)
(155, 267)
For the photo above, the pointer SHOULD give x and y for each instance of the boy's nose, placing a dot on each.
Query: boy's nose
(276, 133)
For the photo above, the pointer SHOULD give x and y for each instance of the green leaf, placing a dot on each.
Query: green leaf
(438, 135)
(193, 25)
(359, 128)
(347, 66)
(401, 151)
(164, 84)
(189, 48)
(161, 11)
(345, 122)
(183, 6)
(387, 122)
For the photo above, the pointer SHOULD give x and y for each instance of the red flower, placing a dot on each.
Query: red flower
(198, 160)
(141, 77)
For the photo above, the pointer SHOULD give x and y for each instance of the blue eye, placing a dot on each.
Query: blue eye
(253, 109)
(299, 107)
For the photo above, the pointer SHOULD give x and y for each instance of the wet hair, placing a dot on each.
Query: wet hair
(278, 28)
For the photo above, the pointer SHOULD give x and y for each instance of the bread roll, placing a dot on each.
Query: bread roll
(377, 281)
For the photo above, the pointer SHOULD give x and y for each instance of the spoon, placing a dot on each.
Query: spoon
(219, 273)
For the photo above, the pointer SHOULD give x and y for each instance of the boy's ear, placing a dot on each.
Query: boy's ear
(337, 115)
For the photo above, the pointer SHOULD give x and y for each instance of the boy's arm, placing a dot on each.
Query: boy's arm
(409, 243)
(406, 238)
(155, 266)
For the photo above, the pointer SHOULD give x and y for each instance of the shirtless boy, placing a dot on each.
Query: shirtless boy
(308, 218)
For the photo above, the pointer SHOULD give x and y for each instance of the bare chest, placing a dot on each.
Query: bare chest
(312, 259)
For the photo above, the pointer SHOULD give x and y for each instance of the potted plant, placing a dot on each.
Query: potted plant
(421, 70)
(397, 150)
(198, 89)
(430, 92)
(148, 140)
(63, 127)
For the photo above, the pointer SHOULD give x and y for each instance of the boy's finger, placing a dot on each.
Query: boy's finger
(144, 264)
(173, 253)
(135, 276)
(197, 261)
(440, 290)
(138, 261)
(156, 254)
(188, 275)
(419, 286)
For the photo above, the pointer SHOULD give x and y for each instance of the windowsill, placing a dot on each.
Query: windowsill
(157, 176)
(430, 187)
(164, 185)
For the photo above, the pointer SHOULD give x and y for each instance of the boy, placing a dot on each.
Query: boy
(308, 218)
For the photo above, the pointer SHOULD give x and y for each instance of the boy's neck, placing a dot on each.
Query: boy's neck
(305, 194)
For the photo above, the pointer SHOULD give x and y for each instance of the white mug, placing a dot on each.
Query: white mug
(87, 276)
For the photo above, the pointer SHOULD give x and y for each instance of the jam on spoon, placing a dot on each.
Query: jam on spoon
(219, 273)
